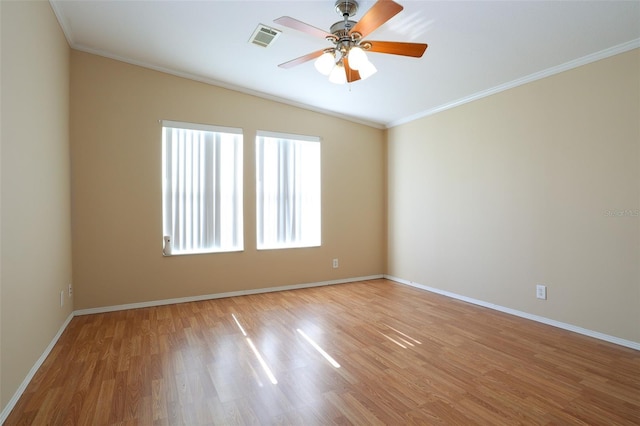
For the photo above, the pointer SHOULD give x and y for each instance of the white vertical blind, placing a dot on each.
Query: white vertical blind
(287, 191)
(202, 187)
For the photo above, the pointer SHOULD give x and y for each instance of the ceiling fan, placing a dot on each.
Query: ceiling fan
(346, 61)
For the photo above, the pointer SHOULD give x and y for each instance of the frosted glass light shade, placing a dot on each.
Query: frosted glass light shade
(338, 75)
(357, 58)
(366, 70)
(325, 63)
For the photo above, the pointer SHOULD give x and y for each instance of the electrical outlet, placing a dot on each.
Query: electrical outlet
(70, 290)
(335, 263)
(61, 298)
(541, 292)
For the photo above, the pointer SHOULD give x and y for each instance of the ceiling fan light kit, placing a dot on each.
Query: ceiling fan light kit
(325, 63)
(367, 70)
(338, 74)
(347, 61)
(357, 58)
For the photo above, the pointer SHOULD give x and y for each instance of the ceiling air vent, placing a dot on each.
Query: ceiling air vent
(264, 36)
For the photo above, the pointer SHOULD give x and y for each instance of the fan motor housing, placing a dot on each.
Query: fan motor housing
(341, 28)
(346, 8)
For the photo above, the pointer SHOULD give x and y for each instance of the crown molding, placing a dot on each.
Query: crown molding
(603, 54)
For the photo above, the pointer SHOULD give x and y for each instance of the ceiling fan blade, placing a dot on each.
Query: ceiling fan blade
(290, 22)
(415, 50)
(379, 13)
(352, 75)
(302, 59)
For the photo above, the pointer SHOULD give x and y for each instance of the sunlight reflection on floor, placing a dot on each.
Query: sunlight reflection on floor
(261, 360)
(319, 349)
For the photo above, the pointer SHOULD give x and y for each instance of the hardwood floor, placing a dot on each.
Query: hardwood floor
(404, 355)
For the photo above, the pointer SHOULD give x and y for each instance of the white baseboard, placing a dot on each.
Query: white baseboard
(11, 404)
(152, 303)
(16, 396)
(570, 327)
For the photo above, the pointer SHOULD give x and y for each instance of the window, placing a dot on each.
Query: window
(287, 191)
(201, 188)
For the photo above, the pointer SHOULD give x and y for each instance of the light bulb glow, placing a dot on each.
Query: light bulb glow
(325, 63)
(367, 70)
(338, 74)
(357, 58)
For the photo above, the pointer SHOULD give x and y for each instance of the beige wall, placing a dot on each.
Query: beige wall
(484, 200)
(488, 199)
(116, 187)
(35, 202)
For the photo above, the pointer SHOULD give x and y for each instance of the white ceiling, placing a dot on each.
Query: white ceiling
(475, 47)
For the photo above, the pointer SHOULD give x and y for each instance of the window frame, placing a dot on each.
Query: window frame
(317, 240)
(238, 172)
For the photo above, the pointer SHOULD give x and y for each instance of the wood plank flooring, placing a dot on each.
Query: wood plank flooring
(405, 357)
